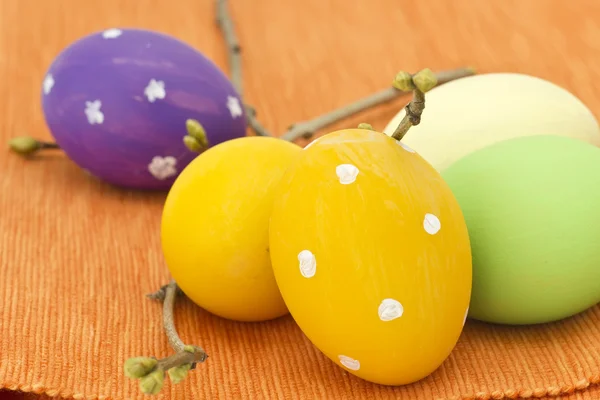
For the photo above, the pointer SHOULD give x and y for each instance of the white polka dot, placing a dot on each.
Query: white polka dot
(390, 309)
(405, 147)
(48, 83)
(346, 173)
(155, 90)
(431, 224)
(308, 263)
(349, 363)
(235, 108)
(112, 33)
(93, 112)
(466, 315)
(163, 167)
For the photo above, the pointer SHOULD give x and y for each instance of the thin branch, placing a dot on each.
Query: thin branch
(168, 318)
(161, 293)
(412, 116)
(167, 294)
(234, 51)
(233, 45)
(151, 371)
(254, 123)
(308, 128)
(195, 355)
(420, 83)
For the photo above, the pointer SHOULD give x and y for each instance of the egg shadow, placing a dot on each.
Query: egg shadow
(270, 348)
(258, 349)
(67, 174)
(521, 350)
(246, 352)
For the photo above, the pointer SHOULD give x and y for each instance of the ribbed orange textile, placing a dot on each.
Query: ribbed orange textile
(77, 256)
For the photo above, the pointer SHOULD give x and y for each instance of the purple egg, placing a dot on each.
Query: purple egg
(117, 103)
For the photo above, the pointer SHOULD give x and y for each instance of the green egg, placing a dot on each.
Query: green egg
(532, 207)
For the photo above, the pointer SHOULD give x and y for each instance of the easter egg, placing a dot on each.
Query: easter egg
(531, 207)
(117, 102)
(215, 226)
(371, 254)
(470, 113)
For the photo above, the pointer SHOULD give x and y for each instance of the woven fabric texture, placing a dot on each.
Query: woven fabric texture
(78, 256)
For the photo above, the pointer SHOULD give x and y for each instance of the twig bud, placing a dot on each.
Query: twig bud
(178, 374)
(196, 130)
(364, 125)
(189, 348)
(153, 382)
(193, 144)
(403, 81)
(138, 367)
(24, 145)
(425, 80)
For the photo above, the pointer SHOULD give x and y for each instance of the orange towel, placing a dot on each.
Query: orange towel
(78, 256)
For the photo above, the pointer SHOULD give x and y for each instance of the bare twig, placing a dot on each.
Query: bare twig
(254, 123)
(235, 64)
(307, 128)
(233, 45)
(161, 293)
(168, 320)
(151, 371)
(419, 83)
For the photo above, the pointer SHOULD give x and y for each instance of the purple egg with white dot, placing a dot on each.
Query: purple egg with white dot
(117, 103)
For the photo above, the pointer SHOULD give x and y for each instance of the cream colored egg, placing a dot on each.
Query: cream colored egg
(470, 113)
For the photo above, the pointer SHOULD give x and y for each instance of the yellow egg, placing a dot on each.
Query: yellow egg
(215, 226)
(471, 113)
(371, 254)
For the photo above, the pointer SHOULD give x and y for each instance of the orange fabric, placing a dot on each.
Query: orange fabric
(77, 256)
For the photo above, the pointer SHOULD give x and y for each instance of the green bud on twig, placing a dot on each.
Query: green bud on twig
(153, 382)
(24, 145)
(403, 81)
(189, 348)
(178, 374)
(196, 130)
(425, 80)
(193, 144)
(138, 367)
(196, 139)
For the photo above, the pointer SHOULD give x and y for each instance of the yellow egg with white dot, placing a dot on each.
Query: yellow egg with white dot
(215, 227)
(371, 254)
